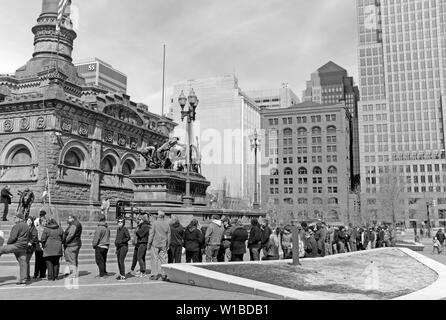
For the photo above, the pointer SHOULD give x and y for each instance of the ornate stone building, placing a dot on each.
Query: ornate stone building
(83, 138)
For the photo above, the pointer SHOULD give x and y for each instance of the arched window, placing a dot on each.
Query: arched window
(332, 170)
(128, 167)
(333, 201)
(331, 129)
(274, 172)
(73, 159)
(302, 201)
(287, 132)
(317, 201)
(108, 164)
(317, 170)
(302, 170)
(288, 201)
(301, 131)
(22, 156)
(316, 131)
(288, 171)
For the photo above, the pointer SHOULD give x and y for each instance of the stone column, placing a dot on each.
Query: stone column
(96, 155)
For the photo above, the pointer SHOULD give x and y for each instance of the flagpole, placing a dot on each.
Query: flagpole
(164, 78)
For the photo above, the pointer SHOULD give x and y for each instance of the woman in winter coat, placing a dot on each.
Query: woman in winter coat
(32, 244)
(52, 239)
(40, 263)
(193, 241)
(238, 241)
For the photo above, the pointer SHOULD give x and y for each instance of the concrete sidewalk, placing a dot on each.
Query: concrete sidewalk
(89, 288)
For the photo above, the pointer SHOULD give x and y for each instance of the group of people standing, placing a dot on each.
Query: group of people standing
(25, 201)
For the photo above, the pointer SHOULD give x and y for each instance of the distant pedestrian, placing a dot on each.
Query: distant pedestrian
(255, 240)
(52, 239)
(436, 245)
(105, 207)
(441, 237)
(5, 201)
(40, 263)
(176, 241)
(352, 237)
(320, 237)
(142, 239)
(101, 244)
(310, 244)
(73, 244)
(272, 249)
(239, 237)
(122, 247)
(213, 238)
(193, 240)
(224, 251)
(33, 239)
(287, 243)
(159, 242)
(135, 243)
(266, 233)
(42, 217)
(17, 244)
(25, 202)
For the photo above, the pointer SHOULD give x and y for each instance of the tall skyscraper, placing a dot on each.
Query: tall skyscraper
(402, 56)
(99, 73)
(274, 98)
(331, 84)
(226, 117)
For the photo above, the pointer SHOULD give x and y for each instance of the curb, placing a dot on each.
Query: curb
(191, 274)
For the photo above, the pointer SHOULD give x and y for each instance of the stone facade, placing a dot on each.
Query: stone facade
(82, 139)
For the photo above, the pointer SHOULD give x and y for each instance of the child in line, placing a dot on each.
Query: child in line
(436, 245)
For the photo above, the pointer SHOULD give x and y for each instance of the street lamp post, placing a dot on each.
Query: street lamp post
(255, 144)
(190, 115)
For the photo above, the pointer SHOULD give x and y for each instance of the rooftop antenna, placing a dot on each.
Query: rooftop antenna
(164, 78)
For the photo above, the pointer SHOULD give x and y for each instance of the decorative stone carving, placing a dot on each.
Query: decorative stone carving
(41, 123)
(24, 124)
(83, 129)
(108, 136)
(133, 143)
(8, 125)
(122, 140)
(67, 125)
(153, 125)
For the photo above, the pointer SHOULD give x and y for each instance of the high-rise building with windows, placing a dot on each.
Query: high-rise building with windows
(402, 59)
(99, 73)
(331, 84)
(306, 161)
(226, 118)
(274, 98)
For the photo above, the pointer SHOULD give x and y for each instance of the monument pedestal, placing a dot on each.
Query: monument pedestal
(166, 188)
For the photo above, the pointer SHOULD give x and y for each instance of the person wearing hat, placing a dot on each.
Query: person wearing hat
(159, 243)
(18, 244)
(101, 244)
(122, 247)
(25, 202)
(5, 200)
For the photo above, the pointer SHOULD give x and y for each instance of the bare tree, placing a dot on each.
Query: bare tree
(391, 196)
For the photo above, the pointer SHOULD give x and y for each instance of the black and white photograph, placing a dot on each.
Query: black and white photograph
(222, 155)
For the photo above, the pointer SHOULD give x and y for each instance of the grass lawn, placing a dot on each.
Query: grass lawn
(370, 275)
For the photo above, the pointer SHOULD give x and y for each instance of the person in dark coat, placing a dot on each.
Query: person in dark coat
(122, 247)
(203, 230)
(5, 200)
(320, 237)
(142, 238)
(52, 239)
(441, 237)
(18, 244)
(255, 240)
(225, 241)
(193, 241)
(310, 244)
(73, 244)
(135, 243)
(40, 263)
(176, 241)
(25, 202)
(266, 233)
(239, 237)
(33, 239)
(101, 244)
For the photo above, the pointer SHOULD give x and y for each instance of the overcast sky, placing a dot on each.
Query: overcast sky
(266, 42)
